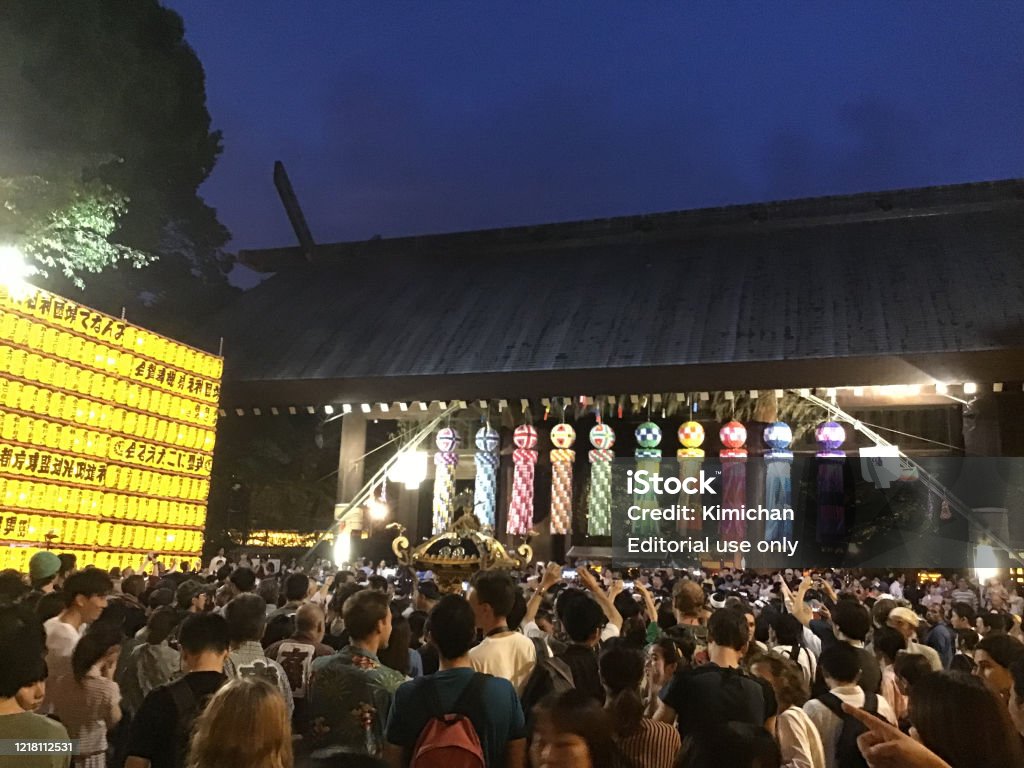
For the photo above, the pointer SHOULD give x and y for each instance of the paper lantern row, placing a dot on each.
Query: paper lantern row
(18, 557)
(68, 408)
(83, 442)
(40, 333)
(58, 375)
(48, 497)
(110, 476)
(35, 528)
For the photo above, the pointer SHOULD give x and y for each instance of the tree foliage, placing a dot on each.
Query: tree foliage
(105, 139)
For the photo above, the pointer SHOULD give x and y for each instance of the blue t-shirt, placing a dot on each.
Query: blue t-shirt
(501, 717)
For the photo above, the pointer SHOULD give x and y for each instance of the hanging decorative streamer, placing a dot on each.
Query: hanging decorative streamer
(562, 457)
(778, 485)
(691, 459)
(599, 520)
(486, 488)
(648, 457)
(734, 478)
(830, 436)
(520, 510)
(445, 461)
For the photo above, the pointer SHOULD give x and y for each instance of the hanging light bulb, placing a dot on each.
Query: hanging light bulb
(409, 469)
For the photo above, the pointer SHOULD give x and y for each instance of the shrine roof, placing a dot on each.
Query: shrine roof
(889, 287)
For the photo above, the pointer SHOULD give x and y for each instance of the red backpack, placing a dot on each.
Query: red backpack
(450, 740)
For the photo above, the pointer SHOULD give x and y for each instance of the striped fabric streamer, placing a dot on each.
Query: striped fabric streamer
(445, 461)
(734, 478)
(648, 459)
(599, 521)
(778, 481)
(486, 488)
(444, 490)
(520, 509)
(561, 490)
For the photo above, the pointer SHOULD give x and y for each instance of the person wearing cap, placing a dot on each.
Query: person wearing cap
(906, 622)
(190, 597)
(43, 572)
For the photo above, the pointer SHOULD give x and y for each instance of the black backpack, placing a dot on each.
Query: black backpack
(549, 675)
(847, 753)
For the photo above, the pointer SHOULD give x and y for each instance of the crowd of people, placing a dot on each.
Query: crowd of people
(555, 667)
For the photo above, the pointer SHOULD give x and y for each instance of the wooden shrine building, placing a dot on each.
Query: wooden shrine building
(906, 304)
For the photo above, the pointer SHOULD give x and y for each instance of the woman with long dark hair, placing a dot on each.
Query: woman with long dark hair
(642, 741)
(87, 700)
(665, 657)
(963, 722)
(571, 730)
(789, 639)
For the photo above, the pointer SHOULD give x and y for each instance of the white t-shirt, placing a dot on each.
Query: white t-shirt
(830, 726)
(799, 740)
(61, 639)
(896, 590)
(511, 656)
(804, 658)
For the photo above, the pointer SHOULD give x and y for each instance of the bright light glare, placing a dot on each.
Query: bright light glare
(14, 271)
(409, 469)
(985, 562)
(970, 388)
(342, 548)
(377, 510)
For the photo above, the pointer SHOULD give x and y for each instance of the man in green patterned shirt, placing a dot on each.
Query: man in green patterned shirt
(351, 691)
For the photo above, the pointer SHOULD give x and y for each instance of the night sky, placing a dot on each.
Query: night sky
(404, 118)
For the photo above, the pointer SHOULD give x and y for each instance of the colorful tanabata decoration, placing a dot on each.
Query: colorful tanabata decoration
(445, 461)
(486, 488)
(648, 458)
(599, 520)
(562, 457)
(734, 478)
(830, 436)
(691, 459)
(778, 484)
(520, 510)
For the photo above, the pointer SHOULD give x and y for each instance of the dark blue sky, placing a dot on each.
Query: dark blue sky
(404, 118)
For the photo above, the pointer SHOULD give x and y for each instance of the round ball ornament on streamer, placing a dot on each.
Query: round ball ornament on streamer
(778, 436)
(525, 436)
(487, 439)
(733, 436)
(691, 434)
(830, 437)
(602, 437)
(447, 440)
(648, 435)
(563, 436)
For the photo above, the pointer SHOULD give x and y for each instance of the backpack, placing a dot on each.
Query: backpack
(186, 709)
(847, 754)
(549, 675)
(450, 740)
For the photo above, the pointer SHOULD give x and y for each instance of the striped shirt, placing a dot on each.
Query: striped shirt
(652, 745)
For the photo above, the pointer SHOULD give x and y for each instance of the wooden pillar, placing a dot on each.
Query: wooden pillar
(350, 456)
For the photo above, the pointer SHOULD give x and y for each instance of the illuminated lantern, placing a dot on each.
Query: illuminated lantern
(563, 436)
(778, 485)
(599, 519)
(445, 462)
(691, 460)
(734, 478)
(520, 510)
(485, 490)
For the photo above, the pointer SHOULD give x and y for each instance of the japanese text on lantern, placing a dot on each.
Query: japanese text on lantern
(106, 435)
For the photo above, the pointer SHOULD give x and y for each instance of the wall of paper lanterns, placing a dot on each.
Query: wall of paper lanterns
(106, 435)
